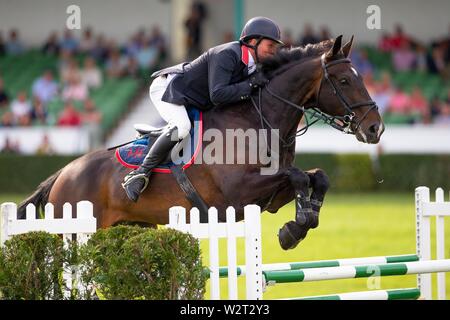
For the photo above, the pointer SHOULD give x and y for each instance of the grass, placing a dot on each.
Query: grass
(351, 225)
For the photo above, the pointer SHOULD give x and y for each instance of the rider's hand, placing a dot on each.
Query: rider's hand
(258, 80)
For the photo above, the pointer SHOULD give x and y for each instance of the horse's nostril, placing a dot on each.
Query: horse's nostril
(374, 128)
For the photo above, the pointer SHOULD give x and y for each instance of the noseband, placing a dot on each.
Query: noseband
(342, 123)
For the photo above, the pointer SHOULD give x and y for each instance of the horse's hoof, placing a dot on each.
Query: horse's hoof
(314, 220)
(291, 234)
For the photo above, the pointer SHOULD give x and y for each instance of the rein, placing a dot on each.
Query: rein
(341, 123)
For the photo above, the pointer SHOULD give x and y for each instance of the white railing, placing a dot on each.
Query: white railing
(250, 229)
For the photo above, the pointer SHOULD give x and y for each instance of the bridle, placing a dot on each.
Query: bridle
(342, 123)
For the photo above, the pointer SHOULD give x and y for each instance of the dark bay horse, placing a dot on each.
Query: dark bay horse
(317, 76)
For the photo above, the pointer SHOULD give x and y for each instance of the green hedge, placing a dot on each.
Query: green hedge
(122, 262)
(347, 172)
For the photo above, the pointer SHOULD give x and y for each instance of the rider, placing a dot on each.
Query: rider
(223, 74)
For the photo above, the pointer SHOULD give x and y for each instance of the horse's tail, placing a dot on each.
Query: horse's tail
(40, 197)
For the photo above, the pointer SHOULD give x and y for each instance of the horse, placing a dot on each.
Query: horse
(318, 78)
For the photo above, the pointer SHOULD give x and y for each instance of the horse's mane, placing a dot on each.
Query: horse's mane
(274, 65)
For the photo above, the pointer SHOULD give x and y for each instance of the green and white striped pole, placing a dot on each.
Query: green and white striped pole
(397, 294)
(348, 272)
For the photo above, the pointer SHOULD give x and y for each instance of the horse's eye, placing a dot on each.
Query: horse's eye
(343, 81)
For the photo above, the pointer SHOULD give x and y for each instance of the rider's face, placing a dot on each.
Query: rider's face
(266, 49)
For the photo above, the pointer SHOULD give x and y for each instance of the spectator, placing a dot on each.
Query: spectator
(91, 75)
(39, 112)
(132, 46)
(132, 68)
(99, 51)
(444, 116)
(51, 46)
(361, 61)
(147, 57)
(87, 43)
(7, 119)
(382, 93)
(45, 147)
(91, 119)
(324, 34)
(45, 88)
(287, 39)
(308, 36)
(14, 46)
(68, 42)
(385, 44)
(75, 90)
(194, 29)
(399, 102)
(2, 45)
(4, 98)
(114, 67)
(403, 58)
(421, 58)
(158, 41)
(399, 39)
(435, 108)
(419, 104)
(9, 147)
(21, 107)
(69, 116)
(70, 71)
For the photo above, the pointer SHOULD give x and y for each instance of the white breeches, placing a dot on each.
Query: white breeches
(174, 114)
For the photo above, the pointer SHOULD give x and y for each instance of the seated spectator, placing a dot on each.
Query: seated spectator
(2, 45)
(39, 112)
(45, 148)
(385, 43)
(308, 36)
(324, 34)
(435, 107)
(4, 98)
(114, 66)
(90, 114)
(99, 52)
(51, 46)
(399, 102)
(75, 90)
(421, 58)
(361, 61)
(68, 42)
(132, 46)
(91, 75)
(403, 58)
(444, 116)
(7, 120)
(369, 82)
(14, 46)
(419, 104)
(21, 107)
(399, 39)
(87, 42)
(9, 147)
(69, 116)
(65, 58)
(70, 72)
(131, 69)
(383, 92)
(287, 39)
(147, 56)
(158, 41)
(45, 88)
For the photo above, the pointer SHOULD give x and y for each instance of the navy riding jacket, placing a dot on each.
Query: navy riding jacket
(219, 76)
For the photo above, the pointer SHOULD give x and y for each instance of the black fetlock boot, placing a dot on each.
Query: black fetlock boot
(136, 181)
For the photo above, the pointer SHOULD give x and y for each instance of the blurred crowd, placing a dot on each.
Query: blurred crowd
(81, 66)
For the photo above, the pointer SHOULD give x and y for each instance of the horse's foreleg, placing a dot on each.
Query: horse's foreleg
(320, 184)
(295, 231)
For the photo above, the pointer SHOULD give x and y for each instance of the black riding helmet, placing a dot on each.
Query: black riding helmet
(260, 28)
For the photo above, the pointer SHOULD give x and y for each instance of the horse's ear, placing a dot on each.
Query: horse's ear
(347, 48)
(336, 47)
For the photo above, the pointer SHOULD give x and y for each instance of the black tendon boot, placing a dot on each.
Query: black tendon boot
(137, 180)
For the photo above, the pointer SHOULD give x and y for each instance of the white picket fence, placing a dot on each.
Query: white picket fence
(253, 268)
(250, 229)
(84, 225)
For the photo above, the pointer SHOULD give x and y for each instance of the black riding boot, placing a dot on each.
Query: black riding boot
(136, 181)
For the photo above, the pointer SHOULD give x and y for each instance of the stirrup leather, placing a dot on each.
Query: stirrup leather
(134, 177)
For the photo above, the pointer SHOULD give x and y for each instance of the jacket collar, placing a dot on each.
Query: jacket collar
(244, 55)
